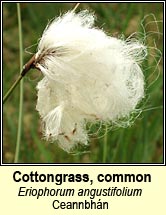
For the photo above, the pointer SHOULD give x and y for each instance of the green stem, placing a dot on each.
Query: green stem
(12, 89)
(30, 64)
(21, 87)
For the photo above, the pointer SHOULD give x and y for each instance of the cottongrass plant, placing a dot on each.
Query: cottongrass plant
(88, 77)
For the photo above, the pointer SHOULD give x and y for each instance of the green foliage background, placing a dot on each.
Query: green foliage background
(140, 143)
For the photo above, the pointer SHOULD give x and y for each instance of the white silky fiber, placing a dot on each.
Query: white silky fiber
(88, 77)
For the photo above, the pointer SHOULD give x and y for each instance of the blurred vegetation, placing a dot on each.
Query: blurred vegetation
(140, 143)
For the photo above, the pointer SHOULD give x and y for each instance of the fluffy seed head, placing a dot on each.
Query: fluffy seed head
(88, 77)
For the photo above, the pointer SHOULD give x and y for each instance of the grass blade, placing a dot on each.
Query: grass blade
(21, 88)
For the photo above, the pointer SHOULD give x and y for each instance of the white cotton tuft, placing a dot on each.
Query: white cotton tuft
(88, 77)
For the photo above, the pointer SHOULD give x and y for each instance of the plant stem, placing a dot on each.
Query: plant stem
(21, 87)
(12, 88)
(30, 64)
